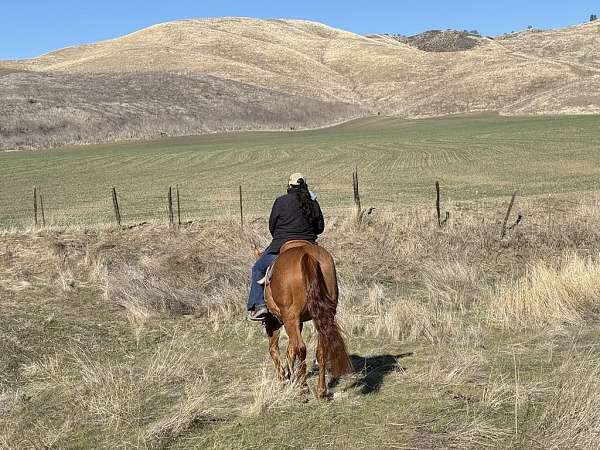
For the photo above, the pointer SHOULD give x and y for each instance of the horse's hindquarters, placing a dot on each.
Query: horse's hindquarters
(304, 287)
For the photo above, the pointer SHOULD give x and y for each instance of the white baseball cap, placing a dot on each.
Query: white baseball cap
(295, 179)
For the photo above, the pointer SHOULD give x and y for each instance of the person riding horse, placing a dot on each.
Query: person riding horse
(294, 216)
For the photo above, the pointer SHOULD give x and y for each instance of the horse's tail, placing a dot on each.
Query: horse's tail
(322, 309)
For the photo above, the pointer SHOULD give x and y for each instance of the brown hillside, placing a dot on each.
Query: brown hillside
(52, 109)
(523, 73)
(578, 45)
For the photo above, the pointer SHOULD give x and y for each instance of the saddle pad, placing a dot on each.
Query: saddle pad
(287, 246)
(294, 244)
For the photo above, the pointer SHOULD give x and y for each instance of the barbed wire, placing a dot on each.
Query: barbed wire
(143, 205)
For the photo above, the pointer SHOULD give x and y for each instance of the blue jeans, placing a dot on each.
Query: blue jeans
(257, 294)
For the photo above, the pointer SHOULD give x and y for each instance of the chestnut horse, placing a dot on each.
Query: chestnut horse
(303, 287)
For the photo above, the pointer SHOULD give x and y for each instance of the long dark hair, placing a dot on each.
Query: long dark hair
(306, 202)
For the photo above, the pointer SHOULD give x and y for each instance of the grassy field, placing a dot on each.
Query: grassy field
(136, 338)
(398, 161)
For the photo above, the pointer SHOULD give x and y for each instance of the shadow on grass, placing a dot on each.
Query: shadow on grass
(370, 371)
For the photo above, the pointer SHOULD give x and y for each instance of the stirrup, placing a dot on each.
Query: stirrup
(259, 314)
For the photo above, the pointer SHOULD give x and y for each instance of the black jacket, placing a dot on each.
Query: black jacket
(287, 222)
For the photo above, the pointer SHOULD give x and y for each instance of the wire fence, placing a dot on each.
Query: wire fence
(39, 207)
(177, 205)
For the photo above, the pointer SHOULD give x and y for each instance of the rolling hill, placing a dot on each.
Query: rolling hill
(196, 76)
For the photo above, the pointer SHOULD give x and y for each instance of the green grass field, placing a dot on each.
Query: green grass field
(398, 161)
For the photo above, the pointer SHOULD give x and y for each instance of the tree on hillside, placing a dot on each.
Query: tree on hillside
(593, 18)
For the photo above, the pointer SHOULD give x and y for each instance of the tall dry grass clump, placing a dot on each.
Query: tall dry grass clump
(549, 294)
(270, 394)
(394, 317)
(201, 271)
(572, 413)
(132, 401)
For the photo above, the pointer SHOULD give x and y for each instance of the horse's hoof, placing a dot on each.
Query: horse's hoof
(340, 395)
(325, 396)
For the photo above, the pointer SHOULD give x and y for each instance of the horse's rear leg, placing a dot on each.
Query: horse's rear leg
(273, 328)
(296, 349)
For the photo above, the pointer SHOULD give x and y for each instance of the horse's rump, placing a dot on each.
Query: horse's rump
(322, 307)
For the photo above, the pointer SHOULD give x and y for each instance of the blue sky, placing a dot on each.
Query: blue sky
(31, 27)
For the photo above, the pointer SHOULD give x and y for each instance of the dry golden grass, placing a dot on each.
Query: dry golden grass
(318, 61)
(576, 44)
(269, 394)
(142, 341)
(572, 418)
(40, 110)
(549, 295)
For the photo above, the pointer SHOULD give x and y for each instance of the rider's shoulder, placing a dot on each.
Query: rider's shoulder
(282, 199)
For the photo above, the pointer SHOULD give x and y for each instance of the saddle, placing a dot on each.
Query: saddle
(284, 248)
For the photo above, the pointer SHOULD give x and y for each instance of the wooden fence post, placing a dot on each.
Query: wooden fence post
(116, 206)
(178, 207)
(438, 209)
(35, 207)
(42, 208)
(357, 206)
(241, 208)
(506, 217)
(437, 203)
(170, 202)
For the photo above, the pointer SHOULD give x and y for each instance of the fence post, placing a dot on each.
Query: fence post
(35, 207)
(178, 207)
(438, 209)
(357, 207)
(437, 203)
(116, 206)
(510, 206)
(241, 208)
(42, 208)
(170, 201)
